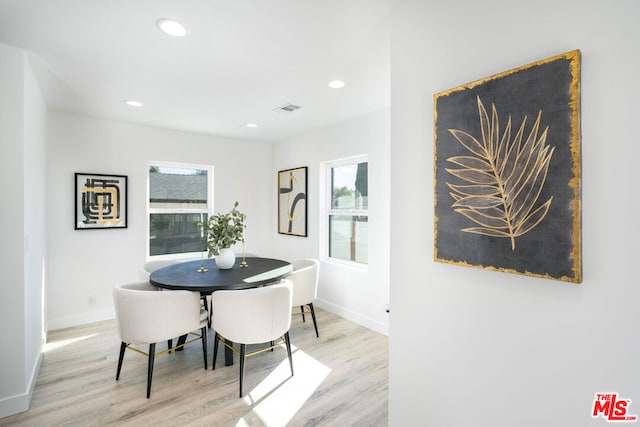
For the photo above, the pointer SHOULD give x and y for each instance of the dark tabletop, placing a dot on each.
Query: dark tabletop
(185, 275)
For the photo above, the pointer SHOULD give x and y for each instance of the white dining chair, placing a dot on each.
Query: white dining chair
(252, 316)
(305, 287)
(147, 316)
(151, 266)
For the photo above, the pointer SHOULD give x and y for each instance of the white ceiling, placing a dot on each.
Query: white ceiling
(239, 61)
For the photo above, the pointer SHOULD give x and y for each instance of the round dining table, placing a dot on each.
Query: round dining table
(191, 277)
(188, 275)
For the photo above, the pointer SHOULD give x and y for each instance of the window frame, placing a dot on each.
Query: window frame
(208, 210)
(329, 211)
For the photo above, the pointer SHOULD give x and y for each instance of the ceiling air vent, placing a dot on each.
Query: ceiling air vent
(287, 108)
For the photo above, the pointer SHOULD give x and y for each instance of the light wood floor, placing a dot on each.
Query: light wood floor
(340, 380)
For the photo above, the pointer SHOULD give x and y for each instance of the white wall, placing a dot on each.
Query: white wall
(35, 217)
(360, 295)
(23, 242)
(477, 348)
(88, 263)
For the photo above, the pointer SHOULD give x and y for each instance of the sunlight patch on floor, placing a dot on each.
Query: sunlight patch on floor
(58, 344)
(280, 396)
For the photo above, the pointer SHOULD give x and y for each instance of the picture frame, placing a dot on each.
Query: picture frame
(292, 201)
(100, 201)
(507, 171)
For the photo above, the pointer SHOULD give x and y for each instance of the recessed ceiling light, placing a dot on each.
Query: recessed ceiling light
(133, 103)
(252, 125)
(171, 27)
(336, 84)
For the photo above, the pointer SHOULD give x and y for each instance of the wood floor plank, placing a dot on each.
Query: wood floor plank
(341, 379)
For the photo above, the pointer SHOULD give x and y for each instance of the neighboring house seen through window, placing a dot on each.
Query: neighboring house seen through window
(179, 196)
(348, 213)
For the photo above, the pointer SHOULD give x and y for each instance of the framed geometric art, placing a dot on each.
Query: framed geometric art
(100, 201)
(508, 171)
(292, 201)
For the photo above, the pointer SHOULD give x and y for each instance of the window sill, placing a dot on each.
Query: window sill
(347, 264)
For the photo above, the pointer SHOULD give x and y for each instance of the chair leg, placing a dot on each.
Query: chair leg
(181, 340)
(169, 344)
(207, 308)
(302, 312)
(215, 351)
(152, 356)
(228, 353)
(204, 346)
(123, 347)
(288, 343)
(210, 307)
(313, 316)
(243, 348)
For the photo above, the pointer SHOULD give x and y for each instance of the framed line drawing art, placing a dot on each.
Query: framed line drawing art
(100, 201)
(292, 201)
(507, 171)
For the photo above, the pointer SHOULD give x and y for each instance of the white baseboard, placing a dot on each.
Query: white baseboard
(80, 319)
(366, 321)
(20, 403)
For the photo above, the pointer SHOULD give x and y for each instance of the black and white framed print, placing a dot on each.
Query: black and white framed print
(100, 201)
(292, 201)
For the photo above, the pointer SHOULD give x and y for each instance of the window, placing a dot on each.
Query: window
(348, 212)
(179, 196)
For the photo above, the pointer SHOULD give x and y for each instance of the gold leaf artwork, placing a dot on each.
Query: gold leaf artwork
(503, 177)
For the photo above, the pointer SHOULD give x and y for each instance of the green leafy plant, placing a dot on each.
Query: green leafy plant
(504, 177)
(223, 230)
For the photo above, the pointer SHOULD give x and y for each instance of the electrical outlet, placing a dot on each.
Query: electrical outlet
(92, 300)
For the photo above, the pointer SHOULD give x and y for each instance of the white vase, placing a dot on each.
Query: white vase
(226, 259)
